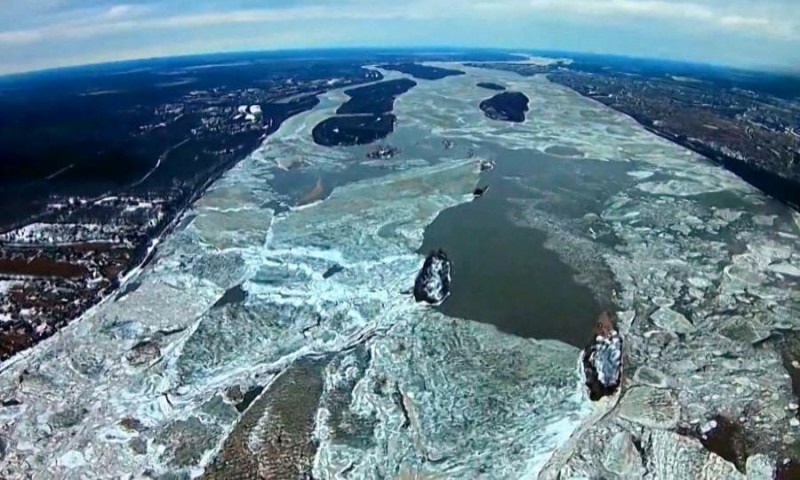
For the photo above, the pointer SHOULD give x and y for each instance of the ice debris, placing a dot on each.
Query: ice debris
(672, 321)
(621, 457)
(650, 407)
(487, 165)
(679, 457)
(651, 377)
(785, 269)
(760, 467)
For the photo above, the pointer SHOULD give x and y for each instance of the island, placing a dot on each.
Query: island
(422, 72)
(506, 106)
(375, 99)
(491, 86)
(353, 129)
(365, 118)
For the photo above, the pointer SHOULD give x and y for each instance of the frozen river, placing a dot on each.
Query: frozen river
(349, 378)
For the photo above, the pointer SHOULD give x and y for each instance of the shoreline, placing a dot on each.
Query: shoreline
(780, 188)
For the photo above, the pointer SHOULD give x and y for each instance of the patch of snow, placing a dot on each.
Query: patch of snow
(57, 233)
(707, 427)
(6, 285)
(606, 357)
(434, 283)
(138, 206)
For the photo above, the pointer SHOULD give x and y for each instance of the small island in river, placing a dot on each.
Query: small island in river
(376, 98)
(366, 117)
(506, 106)
(491, 86)
(348, 130)
(422, 72)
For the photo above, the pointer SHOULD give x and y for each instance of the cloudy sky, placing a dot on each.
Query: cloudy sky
(37, 34)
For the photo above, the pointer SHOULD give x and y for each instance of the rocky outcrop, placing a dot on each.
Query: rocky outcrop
(602, 358)
(333, 270)
(506, 106)
(382, 152)
(433, 281)
(479, 191)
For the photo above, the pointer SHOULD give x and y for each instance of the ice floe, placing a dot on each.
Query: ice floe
(672, 321)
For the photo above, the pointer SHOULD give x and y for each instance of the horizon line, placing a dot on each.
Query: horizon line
(421, 48)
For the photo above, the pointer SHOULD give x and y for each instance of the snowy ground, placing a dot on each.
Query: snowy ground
(144, 382)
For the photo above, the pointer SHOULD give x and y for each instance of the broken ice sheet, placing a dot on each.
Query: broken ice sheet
(435, 385)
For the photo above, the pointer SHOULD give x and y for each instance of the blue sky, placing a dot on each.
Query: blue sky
(37, 34)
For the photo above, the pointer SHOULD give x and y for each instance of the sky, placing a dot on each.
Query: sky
(37, 34)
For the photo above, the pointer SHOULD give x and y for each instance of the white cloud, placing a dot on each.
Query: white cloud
(377, 12)
(234, 42)
(124, 18)
(117, 12)
(710, 15)
(117, 20)
(20, 37)
(776, 21)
